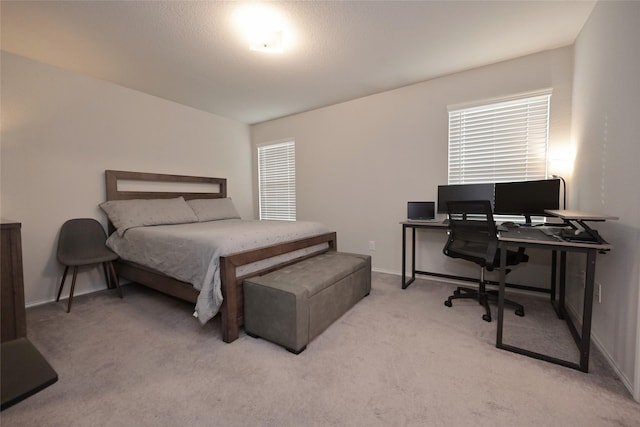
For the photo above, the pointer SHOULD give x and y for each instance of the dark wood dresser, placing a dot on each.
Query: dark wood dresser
(24, 370)
(13, 313)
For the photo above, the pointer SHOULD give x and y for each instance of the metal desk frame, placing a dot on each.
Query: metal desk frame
(583, 339)
(439, 225)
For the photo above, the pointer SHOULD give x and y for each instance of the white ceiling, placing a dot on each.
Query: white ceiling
(190, 52)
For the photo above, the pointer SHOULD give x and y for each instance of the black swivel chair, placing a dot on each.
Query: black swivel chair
(473, 237)
(82, 242)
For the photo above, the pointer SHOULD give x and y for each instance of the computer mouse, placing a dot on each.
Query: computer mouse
(510, 224)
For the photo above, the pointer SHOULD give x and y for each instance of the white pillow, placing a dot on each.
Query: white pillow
(213, 209)
(126, 214)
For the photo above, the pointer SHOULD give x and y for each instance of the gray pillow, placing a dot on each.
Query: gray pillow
(213, 209)
(126, 214)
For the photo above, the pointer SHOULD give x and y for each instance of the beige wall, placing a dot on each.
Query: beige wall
(606, 132)
(359, 162)
(61, 130)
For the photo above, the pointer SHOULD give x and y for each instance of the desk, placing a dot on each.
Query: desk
(533, 237)
(439, 225)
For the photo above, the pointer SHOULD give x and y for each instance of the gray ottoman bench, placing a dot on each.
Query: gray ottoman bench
(294, 304)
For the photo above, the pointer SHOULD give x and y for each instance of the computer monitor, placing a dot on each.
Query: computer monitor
(464, 192)
(528, 198)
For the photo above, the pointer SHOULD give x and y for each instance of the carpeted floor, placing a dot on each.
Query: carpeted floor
(398, 358)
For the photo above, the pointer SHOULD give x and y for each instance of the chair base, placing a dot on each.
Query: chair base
(483, 297)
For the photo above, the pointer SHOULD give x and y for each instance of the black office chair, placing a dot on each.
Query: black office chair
(473, 237)
(82, 242)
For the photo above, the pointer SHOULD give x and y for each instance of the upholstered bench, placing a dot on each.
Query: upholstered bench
(294, 304)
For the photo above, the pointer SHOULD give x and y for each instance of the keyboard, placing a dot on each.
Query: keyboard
(550, 231)
(532, 233)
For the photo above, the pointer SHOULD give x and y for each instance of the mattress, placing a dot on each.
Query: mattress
(191, 252)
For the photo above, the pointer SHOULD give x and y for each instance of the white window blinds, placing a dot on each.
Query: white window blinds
(277, 181)
(500, 142)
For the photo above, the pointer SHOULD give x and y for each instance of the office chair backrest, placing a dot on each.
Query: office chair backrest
(472, 232)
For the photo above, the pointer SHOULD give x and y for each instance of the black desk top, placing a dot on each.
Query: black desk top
(24, 371)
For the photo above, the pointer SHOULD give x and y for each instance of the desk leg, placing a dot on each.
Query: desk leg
(503, 275)
(413, 254)
(586, 311)
(554, 275)
(558, 305)
(563, 285)
(404, 255)
(405, 282)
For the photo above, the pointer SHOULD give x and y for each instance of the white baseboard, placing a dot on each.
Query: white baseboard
(612, 363)
(64, 297)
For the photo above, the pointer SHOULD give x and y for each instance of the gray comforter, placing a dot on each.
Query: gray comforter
(191, 252)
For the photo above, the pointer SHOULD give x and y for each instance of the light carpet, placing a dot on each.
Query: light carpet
(398, 358)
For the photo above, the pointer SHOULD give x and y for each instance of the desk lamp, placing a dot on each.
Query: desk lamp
(564, 190)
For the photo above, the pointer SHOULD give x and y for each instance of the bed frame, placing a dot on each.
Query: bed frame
(232, 310)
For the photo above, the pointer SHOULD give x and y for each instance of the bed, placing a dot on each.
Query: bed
(254, 259)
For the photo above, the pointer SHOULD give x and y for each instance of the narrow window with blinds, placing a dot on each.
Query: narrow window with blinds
(502, 141)
(277, 181)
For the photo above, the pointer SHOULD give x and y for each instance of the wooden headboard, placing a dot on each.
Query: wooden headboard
(114, 193)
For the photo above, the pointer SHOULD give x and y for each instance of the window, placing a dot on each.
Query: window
(277, 181)
(503, 141)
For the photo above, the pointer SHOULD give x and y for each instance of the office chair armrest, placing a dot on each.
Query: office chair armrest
(490, 258)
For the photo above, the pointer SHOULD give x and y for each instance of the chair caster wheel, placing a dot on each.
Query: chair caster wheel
(447, 303)
(486, 318)
(520, 312)
(456, 292)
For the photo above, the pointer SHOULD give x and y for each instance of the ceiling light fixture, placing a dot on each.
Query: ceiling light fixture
(268, 41)
(263, 28)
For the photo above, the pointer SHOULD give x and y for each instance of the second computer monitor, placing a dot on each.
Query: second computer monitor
(527, 197)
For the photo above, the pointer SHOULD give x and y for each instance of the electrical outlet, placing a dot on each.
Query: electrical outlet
(372, 245)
